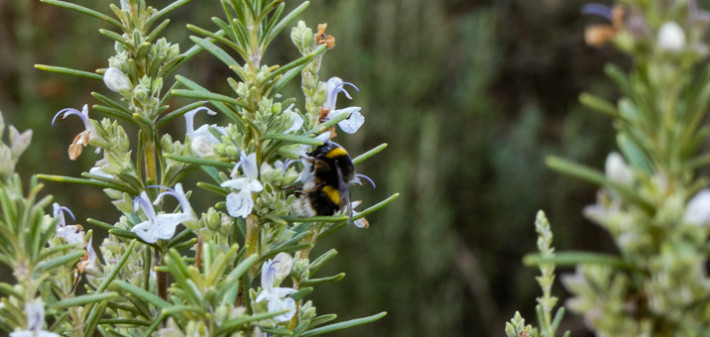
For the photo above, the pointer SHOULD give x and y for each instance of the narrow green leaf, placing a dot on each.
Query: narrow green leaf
(593, 176)
(318, 262)
(69, 71)
(599, 104)
(558, 319)
(223, 191)
(92, 320)
(140, 293)
(109, 278)
(123, 233)
(117, 38)
(235, 323)
(266, 39)
(84, 10)
(301, 294)
(567, 259)
(320, 320)
(176, 309)
(102, 184)
(277, 332)
(209, 96)
(375, 150)
(214, 50)
(320, 218)
(219, 105)
(10, 290)
(344, 325)
(124, 321)
(167, 9)
(112, 103)
(99, 223)
(327, 279)
(200, 161)
(242, 267)
(82, 300)
(56, 249)
(293, 139)
(322, 127)
(72, 257)
(113, 112)
(177, 113)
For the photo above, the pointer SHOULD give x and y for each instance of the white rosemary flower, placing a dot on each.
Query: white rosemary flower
(355, 119)
(273, 271)
(240, 204)
(34, 310)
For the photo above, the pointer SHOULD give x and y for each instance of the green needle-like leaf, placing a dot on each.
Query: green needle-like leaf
(375, 150)
(344, 325)
(83, 300)
(84, 10)
(69, 71)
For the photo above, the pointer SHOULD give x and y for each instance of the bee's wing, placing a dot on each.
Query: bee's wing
(344, 192)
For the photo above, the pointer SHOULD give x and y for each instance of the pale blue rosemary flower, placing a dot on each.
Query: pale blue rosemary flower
(202, 141)
(71, 234)
(34, 309)
(82, 139)
(240, 204)
(295, 117)
(116, 80)
(355, 119)
(98, 169)
(274, 271)
(162, 226)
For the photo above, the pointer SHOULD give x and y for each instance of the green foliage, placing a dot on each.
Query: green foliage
(182, 273)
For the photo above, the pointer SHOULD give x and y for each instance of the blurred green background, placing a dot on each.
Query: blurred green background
(471, 96)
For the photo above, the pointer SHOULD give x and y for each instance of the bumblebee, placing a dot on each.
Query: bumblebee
(328, 172)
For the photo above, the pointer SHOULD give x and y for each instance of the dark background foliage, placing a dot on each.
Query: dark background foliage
(471, 97)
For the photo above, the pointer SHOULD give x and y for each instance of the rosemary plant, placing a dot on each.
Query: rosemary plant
(652, 199)
(241, 267)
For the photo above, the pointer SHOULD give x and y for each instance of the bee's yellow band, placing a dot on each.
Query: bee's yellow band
(336, 152)
(332, 194)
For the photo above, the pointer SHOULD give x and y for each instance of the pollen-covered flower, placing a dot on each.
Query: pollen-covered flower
(116, 80)
(240, 204)
(82, 139)
(323, 38)
(202, 141)
(273, 272)
(355, 119)
(162, 226)
(34, 311)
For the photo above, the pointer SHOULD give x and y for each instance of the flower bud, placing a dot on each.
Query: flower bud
(116, 80)
(697, 212)
(617, 170)
(671, 37)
